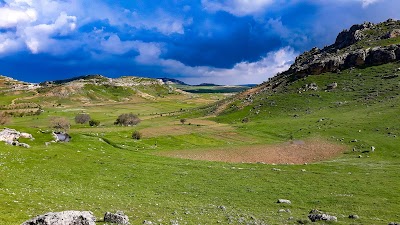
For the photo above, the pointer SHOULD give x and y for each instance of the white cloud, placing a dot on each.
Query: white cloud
(366, 3)
(237, 7)
(38, 38)
(11, 17)
(241, 73)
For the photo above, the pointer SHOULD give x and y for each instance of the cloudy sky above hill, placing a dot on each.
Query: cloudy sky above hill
(214, 41)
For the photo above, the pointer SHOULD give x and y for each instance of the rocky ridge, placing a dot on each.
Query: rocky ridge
(362, 45)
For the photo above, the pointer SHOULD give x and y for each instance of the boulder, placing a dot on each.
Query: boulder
(379, 55)
(61, 137)
(356, 58)
(63, 218)
(118, 218)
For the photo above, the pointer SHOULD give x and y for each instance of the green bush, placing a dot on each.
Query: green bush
(94, 123)
(136, 135)
(82, 118)
(127, 119)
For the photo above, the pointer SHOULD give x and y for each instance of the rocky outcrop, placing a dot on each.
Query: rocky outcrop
(351, 36)
(11, 137)
(63, 218)
(347, 53)
(332, 62)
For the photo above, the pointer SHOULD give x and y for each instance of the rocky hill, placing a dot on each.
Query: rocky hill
(362, 46)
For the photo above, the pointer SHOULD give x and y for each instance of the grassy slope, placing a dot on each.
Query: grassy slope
(123, 174)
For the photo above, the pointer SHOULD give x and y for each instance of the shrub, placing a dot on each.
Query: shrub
(82, 118)
(60, 123)
(136, 135)
(183, 121)
(4, 118)
(94, 123)
(127, 119)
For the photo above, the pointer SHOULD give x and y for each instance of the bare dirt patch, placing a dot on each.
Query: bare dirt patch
(294, 152)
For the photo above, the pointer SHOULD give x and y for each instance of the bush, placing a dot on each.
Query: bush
(60, 123)
(183, 121)
(94, 123)
(127, 119)
(136, 135)
(82, 118)
(4, 118)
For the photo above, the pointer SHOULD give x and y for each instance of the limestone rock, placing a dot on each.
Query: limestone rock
(284, 201)
(11, 137)
(316, 215)
(118, 218)
(63, 218)
(61, 137)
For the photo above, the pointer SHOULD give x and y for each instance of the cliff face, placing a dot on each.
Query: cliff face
(365, 44)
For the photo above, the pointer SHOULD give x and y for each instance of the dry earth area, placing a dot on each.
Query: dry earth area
(294, 152)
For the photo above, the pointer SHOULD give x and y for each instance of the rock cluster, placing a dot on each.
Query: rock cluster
(11, 136)
(63, 218)
(316, 215)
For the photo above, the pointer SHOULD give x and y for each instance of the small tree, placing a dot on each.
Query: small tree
(4, 118)
(136, 135)
(127, 119)
(60, 123)
(94, 123)
(183, 121)
(82, 118)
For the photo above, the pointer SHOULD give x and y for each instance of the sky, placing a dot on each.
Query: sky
(196, 41)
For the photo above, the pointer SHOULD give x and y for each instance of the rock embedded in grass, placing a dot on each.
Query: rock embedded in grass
(316, 215)
(65, 217)
(353, 216)
(285, 201)
(119, 217)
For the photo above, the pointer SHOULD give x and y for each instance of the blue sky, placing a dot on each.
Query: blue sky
(223, 42)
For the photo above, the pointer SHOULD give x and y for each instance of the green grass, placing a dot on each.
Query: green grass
(103, 169)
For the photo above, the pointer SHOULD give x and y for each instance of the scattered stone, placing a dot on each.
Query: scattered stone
(372, 148)
(119, 217)
(63, 218)
(303, 170)
(285, 201)
(275, 169)
(284, 211)
(355, 217)
(331, 86)
(174, 222)
(316, 215)
(393, 223)
(147, 222)
(223, 208)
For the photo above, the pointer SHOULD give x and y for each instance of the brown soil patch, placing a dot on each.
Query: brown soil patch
(294, 152)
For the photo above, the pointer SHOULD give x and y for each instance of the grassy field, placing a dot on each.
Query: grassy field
(104, 169)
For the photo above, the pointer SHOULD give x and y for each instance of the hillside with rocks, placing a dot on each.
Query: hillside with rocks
(360, 47)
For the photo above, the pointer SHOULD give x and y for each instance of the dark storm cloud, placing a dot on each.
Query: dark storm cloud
(236, 41)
